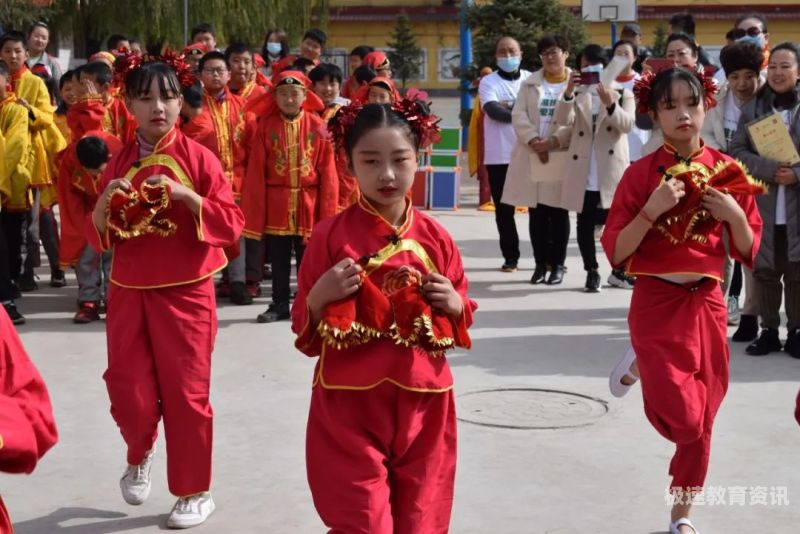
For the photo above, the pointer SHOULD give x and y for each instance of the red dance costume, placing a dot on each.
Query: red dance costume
(27, 427)
(102, 113)
(381, 437)
(161, 320)
(679, 331)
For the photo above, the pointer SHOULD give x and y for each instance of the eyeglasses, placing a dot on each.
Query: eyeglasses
(753, 31)
(553, 52)
(215, 72)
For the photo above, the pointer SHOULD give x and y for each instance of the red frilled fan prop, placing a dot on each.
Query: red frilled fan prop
(139, 211)
(398, 311)
(688, 221)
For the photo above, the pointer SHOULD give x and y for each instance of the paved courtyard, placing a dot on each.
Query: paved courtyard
(604, 473)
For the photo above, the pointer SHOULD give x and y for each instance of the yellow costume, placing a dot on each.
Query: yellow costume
(15, 174)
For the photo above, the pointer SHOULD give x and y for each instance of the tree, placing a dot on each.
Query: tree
(20, 15)
(405, 56)
(525, 20)
(660, 41)
(161, 21)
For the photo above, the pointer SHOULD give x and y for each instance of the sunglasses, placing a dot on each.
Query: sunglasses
(753, 31)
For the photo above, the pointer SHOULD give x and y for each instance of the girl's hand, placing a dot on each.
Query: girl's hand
(117, 183)
(177, 191)
(338, 282)
(785, 176)
(574, 81)
(99, 213)
(605, 95)
(722, 206)
(663, 199)
(442, 295)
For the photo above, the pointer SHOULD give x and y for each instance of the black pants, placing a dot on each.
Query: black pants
(280, 255)
(12, 228)
(254, 259)
(7, 290)
(736, 280)
(503, 214)
(549, 229)
(782, 280)
(591, 215)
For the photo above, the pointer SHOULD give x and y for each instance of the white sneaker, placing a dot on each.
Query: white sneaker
(135, 482)
(621, 370)
(620, 280)
(734, 313)
(191, 511)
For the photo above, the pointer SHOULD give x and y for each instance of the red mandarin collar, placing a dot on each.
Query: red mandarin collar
(398, 231)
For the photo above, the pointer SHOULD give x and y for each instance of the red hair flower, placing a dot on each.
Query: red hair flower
(643, 88)
(129, 62)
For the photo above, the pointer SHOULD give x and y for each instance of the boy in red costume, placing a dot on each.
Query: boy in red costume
(97, 108)
(27, 427)
(167, 210)
(291, 181)
(382, 295)
(665, 226)
(239, 58)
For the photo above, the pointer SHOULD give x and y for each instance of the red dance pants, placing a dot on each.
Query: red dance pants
(679, 335)
(159, 365)
(383, 460)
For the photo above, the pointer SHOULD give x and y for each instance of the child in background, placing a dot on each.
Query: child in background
(381, 296)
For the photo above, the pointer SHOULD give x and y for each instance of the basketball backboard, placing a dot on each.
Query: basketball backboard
(608, 10)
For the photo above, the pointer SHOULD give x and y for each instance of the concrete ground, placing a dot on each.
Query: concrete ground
(606, 477)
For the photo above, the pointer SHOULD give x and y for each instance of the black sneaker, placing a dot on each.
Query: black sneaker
(13, 313)
(240, 295)
(57, 279)
(27, 282)
(792, 345)
(556, 275)
(539, 274)
(592, 281)
(275, 312)
(767, 342)
(748, 329)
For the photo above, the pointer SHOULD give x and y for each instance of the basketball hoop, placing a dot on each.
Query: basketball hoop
(608, 10)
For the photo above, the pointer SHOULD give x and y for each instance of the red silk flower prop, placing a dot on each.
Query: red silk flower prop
(129, 62)
(688, 221)
(643, 88)
(423, 123)
(139, 212)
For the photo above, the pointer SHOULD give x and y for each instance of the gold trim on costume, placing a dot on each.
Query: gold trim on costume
(392, 249)
(171, 284)
(165, 161)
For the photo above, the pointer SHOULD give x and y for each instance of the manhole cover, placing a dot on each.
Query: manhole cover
(528, 408)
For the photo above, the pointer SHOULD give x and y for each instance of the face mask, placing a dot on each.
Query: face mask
(274, 48)
(593, 68)
(757, 40)
(509, 64)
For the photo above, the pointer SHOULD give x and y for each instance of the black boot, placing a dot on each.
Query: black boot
(767, 342)
(748, 329)
(27, 282)
(792, 345)
(239, 294)
(556, 275)
(592, 281)
(275, 312)
(539, 274)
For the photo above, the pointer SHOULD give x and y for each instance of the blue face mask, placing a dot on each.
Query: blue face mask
(757, 40)
(274, 48)
(509, 64)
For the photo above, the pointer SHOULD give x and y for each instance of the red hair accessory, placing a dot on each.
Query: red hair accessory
(643, 88)
(423, 123)
(362, 93)
(130, 62)
(377, 60)
(265, 104)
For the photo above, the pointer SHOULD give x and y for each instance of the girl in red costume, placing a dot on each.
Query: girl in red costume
(665, 227)
(381, 296)
(166, 210)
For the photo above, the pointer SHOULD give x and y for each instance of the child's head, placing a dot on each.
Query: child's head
(381, 91)
(381, 147)
(92, 154)
(136, 46)
(742, 65)
(357, 56)
(313, 44)
(13, 50)
(677, 102)
(379, 62)
(364, 74)
(67, 87)
(4, 75)
(214, 72)
(118, 42)
(204, 33)
(782, 71)
(239, 57)
(683, 50)
(290, 92)
(192, 101)
(154, 97)
(99, 73)
(192, 55)
(303, 65)
(327, 82)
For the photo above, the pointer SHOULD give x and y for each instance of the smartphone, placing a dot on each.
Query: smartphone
(659, 63)
(590, 78)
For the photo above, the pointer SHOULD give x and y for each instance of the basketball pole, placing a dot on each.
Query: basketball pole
(613, 32)
(465, 41)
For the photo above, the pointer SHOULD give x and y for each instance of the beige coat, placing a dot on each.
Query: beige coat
(713, 131)
(610, 144)
(519, 190)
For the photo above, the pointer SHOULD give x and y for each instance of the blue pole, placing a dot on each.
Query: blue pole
(466, 62)
(613, 33)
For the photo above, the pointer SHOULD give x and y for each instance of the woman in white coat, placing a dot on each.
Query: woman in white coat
(533, 120)
(595, 123)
